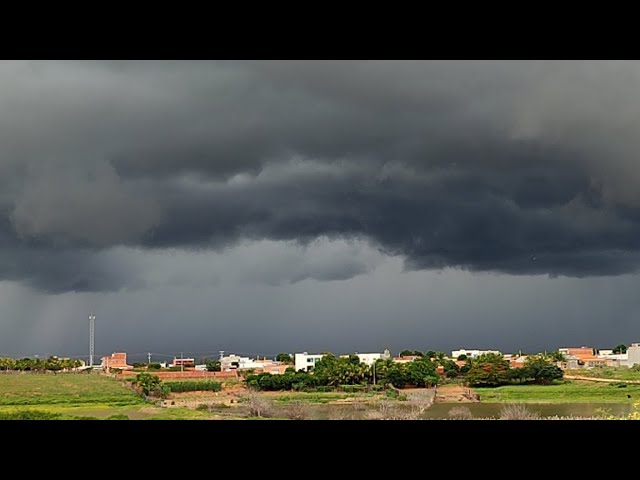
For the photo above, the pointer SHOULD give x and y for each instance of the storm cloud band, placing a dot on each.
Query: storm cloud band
(512, 167)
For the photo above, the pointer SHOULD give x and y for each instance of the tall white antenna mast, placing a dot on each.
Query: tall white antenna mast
(92, 328)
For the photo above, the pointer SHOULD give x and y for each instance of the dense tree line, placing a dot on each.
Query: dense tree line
(492, 370)
(332, 372)
(486, 370)
(52, 364)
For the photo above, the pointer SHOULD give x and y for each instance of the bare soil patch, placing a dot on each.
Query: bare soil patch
(455, 393)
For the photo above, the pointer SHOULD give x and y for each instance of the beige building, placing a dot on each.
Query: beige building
(116, 360)
(633, 354)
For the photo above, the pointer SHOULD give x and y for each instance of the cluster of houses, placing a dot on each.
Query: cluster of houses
(587, 357)
(574, 358)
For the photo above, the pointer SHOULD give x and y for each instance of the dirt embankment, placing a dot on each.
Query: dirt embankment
(455, 394)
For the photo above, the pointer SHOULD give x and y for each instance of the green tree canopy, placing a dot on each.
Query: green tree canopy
(451, 370)
(488, 370)
(622, 348)
(334, 371)
(213, 365)
(556, 356)
(284, 358)
(541, 370)
(422, 373)
(7, 363)
(149, 384)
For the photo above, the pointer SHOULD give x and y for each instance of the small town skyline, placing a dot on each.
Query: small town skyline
(202, 356)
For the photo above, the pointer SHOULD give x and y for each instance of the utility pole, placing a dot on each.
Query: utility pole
(374, 372)
(92, 325)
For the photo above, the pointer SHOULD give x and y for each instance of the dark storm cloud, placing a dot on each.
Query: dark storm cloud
(515, 167)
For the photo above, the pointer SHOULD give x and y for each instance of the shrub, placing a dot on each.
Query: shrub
(393, 411)
(297, 411)
(29, 415)
(118, 416)
(460, 413)
(259, 406)
(353, 388)
(391, 393)
(149, 384)
(203, 407)
(343, 414)
(517, 412)
(618, 385)
(195, 386)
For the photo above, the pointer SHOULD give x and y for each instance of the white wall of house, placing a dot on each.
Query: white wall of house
(226, 362)
(370, 358)
(249, 363)
(472, 353)
(304, 361)
(633, 354)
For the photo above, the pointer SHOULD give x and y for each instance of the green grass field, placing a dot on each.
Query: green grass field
(614, 373)
(568, 392)
(64, 389)
(80, 396)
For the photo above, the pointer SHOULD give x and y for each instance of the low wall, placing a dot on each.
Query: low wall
(184, 375)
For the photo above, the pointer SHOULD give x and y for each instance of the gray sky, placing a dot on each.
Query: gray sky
(259, 207)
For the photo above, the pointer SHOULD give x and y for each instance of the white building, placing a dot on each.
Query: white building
(232, 362)
(306, 362)
(371, 358)
(251, 364)
(472, 353)
(616, 359)
(235, 362)
(633, 354)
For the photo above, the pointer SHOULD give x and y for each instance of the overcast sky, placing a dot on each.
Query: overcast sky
(259, 207)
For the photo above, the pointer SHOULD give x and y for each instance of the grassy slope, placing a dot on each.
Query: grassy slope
(72, 395)
(569, 392)
(64, 389)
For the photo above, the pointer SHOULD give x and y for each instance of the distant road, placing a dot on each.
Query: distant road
(593, 379)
